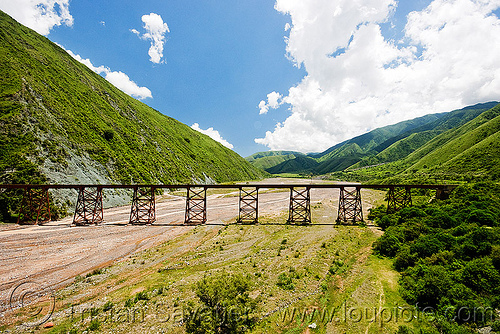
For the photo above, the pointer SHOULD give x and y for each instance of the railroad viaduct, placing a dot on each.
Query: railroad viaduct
(35, 204)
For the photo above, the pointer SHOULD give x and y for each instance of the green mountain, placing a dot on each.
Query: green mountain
(379, 146)
(402, 145)
(62, 123)
(299, 164)
(468, 152)
(337, 157)
(368, 142)
(265, 160)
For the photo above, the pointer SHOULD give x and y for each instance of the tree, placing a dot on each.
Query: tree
(225, 305)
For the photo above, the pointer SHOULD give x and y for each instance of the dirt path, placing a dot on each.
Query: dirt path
(53, 254)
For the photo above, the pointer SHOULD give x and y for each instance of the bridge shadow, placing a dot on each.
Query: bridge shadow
(256, 224)
(180, 224)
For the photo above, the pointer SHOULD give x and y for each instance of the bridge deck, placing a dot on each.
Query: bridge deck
(227, 186)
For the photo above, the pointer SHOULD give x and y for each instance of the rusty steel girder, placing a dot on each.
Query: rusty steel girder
(89, 208)
(35, 206)
(143, 210)
(196, 206)
(299, 210)
(350, 208)
(248, 206)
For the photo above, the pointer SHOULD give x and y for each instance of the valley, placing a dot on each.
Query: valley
(64, 257)
(414, 265)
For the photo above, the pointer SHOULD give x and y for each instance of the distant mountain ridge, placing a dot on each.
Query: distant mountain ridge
(469, 151)
(62, 123)
(377, 147)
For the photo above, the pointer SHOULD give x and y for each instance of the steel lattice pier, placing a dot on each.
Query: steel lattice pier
(143, 210)
(196, 206)
(398, 198)
(350, 208)
(89, 209)
(248, 206)
(35, 205)
(299, 210)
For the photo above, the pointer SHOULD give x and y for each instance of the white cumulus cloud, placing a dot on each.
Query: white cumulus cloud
(119, 79)
(155, 33)
(358, 80)
(39, 15)
(274, 100)
(214, 134)
(264, 108)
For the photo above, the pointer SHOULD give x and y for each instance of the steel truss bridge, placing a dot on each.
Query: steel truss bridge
(35, 204)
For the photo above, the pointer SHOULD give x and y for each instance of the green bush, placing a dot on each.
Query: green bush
(94, 325)
(285, 281)
(388, 245)
(108, 306)
(448, 253)
(143, 295)
(225, 306)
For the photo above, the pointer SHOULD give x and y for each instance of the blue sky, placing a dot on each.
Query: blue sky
(298, 75)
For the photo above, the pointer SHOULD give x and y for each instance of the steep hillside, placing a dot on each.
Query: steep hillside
(448, 121)
(468, 152)
(441, 147)
(369, 141)
(400, 149)
(61, 122)
(299, 164)
(471, 149)
(266, 160)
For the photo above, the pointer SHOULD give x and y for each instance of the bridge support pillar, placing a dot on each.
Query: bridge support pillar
(196, 206)
(350, 208)
(300, 206)
(35, 206)
(143, 210)
(89, 206)
(248, 206)
(444, 192)
(398, 198)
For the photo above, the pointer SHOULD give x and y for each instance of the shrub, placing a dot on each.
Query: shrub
(481, 218)
(285, 282)
(226, 306)
(108, 135)
(129, 302)
(427, 245)
(441, 219)
(94, 325)
(143, 295)
(448, 253)
(411, 212)
(496, 326)
(108, 306)
(404, 258)
(495, 256)
(387, 245)
(386, 221)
